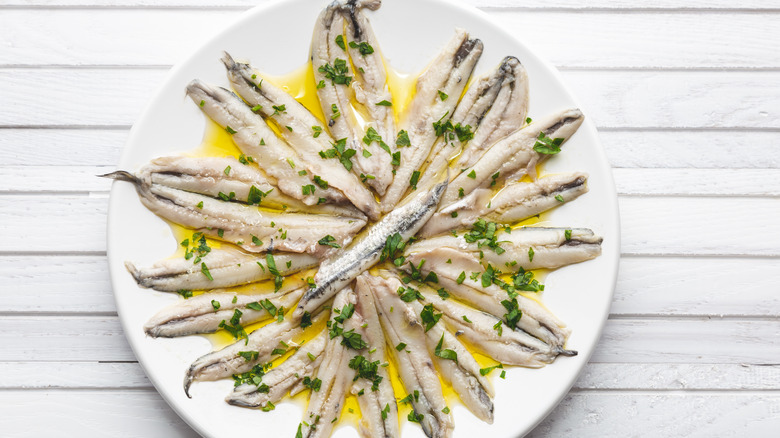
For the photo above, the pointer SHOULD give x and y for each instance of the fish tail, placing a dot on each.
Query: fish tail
(121, 175)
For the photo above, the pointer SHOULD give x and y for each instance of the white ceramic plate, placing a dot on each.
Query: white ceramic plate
(275, 37)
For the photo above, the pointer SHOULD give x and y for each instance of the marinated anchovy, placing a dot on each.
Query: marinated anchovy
(490, 336)
(453, 360)
(528, 247)
(512, 204)
(302, 130)
(418, 374)
(277, 382)
(255, 138)
(371, 90)
(335, 375)
(265, 341)
(456, 278)
(252, 229)
(491, 99)
(447, 76)
(514, 156)
(336, 273)
(204, 313)
(507, 115)
(227, 266)
(378, 407)
(332, 70)
(212, 176)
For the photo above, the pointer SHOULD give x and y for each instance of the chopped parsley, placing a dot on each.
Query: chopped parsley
(230, 130)
(546, 145)
(366, 370)
(384, 103)
(400, 346)
(314, 384)
(340, 151)
(445, 354)
(249, 355)
(329, 241)
(215, 304)
(402, 139)
(414, 179)
(487, 370)
(364, 48)
(393, 249)
(429, 316)
(559, 198)
(340, 42)
(442, 95)
(271, 263)
(337, 73)
(234, 327)
(205, 270)
(567, 234)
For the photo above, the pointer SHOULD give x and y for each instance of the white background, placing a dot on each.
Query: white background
(686, 95)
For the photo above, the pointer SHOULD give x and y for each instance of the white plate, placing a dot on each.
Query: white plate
(276, 38)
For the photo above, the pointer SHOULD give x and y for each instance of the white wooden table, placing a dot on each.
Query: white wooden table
(686, 94)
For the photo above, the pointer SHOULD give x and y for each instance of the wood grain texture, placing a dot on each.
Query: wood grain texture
(613, 99)
(163, 37)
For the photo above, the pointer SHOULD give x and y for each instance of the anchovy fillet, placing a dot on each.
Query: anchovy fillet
(512, 204)
(298, 126)
(336, 273)
(491, 98)
(507, 115)
(536, 320)
(252, 229)
(336, 376)
(212, 176)
(378, 408)
(448, 73)
(514, 156)
(200, 314)
(255, 138)
(418, 374)
(228, 267)
(281, 379)
(227, 361)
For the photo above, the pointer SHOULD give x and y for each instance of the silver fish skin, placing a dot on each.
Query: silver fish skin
(513, 156)
(373, 403)
(485, 100)
(255, 138)
(342, 122)
(296, 125)
(325, 405)
(507, 115)
(474, 389)
(198, 314)
(370, 87)
(228, 267)
(536, 319)
(212, 176)
(244, 224)
(513, 203)
(510, 347)
(551, 248)
(227, 361)
(415, 365)
(283, 377)
(448, 73)
(339, 271)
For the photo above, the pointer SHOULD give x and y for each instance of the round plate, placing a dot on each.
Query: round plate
(276, 37)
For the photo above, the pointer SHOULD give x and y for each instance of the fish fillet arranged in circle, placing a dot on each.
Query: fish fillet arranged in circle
(414, 363)
(513, 203)
(298, 126)
(447, 75)
(494, 106)
(282, 378)
(247, 226)
(200, 314)
(335, 375)
(455, 277)
(256, 139)
(333, 70)
(514, 156)
(336, 273)
(378, 407)
(224, 363)
(212, 175)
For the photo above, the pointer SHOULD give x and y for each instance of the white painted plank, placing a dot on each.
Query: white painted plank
(668, 415)
(700, 341)
(613, 99)
(634, 148)
(677, 182)
(141, 414)
(631, 40)
(697, 286)
(643, 5)
(598, 376)
(55, 284)
(669, 286)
